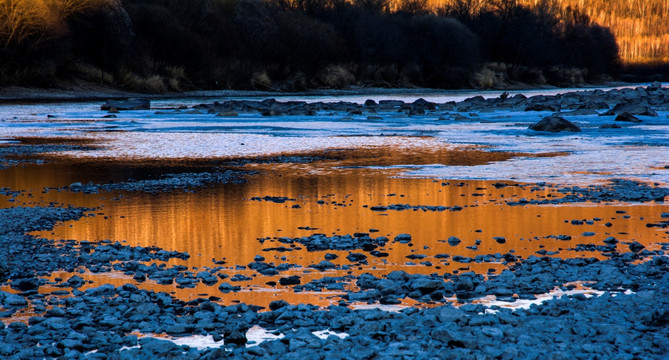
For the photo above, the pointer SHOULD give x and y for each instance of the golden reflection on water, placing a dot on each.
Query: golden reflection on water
(222, 223)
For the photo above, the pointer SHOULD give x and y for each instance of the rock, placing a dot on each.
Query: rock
(453, 241)
(12, 300)
(207, 278)
(542, 107)
(227, 287)
(75, 281)
(25, 284)
(634, 108)
(609, 126)
(129, 104)
(290, 280)
(356, 257)
(628, 118)
(235, 336)
(403, 238)
(277, 304)
(636, 246)
(323, 265)
(610, 240)
(554, 124)
(655, 86)
(427, 285)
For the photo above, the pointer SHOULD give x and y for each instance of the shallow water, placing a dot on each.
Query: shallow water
(364, 162)
(222, 223)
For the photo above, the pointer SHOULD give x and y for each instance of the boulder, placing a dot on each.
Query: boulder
(628, 118)
(554, 124)
(634, 108)
(129, 104)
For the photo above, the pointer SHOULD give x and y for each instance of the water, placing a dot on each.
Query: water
(420, 161)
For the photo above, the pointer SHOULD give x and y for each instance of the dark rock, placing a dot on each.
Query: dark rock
(403, 238)
(129, 104)
(290, 280)
(227, 287)
(554, 124)
(636, 246)
(499, 239)
(25, 284)
(277, 304)
(628, 118)
(356, 257)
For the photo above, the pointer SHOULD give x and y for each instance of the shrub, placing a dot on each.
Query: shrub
(335, 76)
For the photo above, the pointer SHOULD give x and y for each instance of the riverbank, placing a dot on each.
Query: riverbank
(82, 92)
(260, 228)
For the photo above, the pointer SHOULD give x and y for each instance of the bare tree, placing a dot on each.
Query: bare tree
(38, 20)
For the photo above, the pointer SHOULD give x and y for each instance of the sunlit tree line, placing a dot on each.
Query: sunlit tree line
(160, 45)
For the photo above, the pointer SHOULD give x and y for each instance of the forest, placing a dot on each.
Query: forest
(291, 45)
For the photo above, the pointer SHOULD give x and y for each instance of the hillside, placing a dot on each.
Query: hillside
(641, 27)
(291, 45)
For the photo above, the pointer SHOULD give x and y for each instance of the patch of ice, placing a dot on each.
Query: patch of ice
(256, 335)
(324, 334)
(389, 308)
(199, 342)
(129, 347)
(491, 300)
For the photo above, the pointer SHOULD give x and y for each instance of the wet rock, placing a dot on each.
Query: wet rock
(403, 238)
(129, 104)
(356, 257)
(12, 300)
(554, 124)
(227, 287)
(75, 281)
(277, 304)
(636, 246)
(207, 278)
(499, 239)
(610, 240)
(453, 241)
(290, 280)
(632, 108)
(627, 117)
(25, 284)
(323, 265)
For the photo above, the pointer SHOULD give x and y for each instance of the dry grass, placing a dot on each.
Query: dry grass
(91, 73)
(484, 79)
(38, 20)
(261, 81)
(336, 76)
(152, 84)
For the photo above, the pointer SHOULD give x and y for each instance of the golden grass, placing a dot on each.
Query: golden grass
(37, 20)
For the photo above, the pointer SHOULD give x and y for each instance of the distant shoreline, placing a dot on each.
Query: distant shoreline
(18, 94)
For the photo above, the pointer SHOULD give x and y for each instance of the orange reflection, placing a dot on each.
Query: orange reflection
(222, 223)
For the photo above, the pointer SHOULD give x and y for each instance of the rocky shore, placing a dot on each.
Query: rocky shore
(611, 300)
